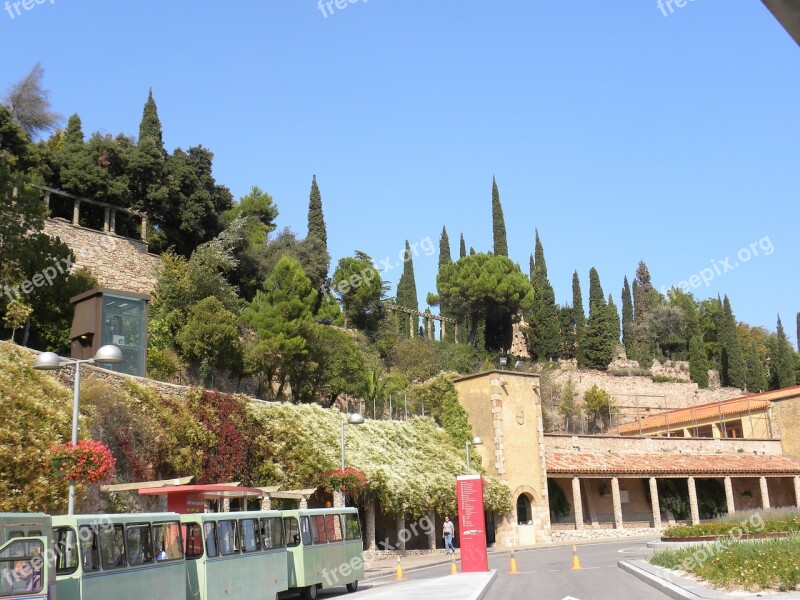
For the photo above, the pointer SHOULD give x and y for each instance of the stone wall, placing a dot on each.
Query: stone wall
(786, 415)
(117, 262)
(577, 535)
(602, 444)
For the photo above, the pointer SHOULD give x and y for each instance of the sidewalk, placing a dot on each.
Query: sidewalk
(683, 588)
(464, 586)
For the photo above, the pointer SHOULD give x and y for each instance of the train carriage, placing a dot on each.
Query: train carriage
(26, 568)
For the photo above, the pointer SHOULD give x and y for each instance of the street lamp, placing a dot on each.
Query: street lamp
(50, 361)
(476, 441)
(353, 419)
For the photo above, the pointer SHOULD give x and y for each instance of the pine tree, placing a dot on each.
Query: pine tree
(732, 372)
(498, 223)
(781, 362)
(627, 318)
(578, 316)
(471, 251)
(598, 342)
(444, 248)
(698, 361)
(462, 247)
(73, 135)
(543, 334)
(150, 125)
(407, 290)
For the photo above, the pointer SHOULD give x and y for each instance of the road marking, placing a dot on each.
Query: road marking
(569, 598)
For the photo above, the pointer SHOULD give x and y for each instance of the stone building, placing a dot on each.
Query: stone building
(747, 446)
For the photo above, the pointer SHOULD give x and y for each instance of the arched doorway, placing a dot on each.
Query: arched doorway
(524, 513)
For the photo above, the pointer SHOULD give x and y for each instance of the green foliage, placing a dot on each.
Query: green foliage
(259, 211)
(698, 363)
(359, 287)
(316, 220)
(440, 398)
(211, 337)
(407, 290)
(627, 318)
(645, 301)
(568, 406)
(781, 355)
(673, 495)
(444, 248)
(29, 103)
(17, 314)
(733, 371)
(543, 334)
(498, 223)
(599, 407)
(310, 253)
(462, 247)
(601, 335)
(578, 317)
(557, 500)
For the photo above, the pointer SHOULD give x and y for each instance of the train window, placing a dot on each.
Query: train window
(271, 534)
(112, 547)
(90, 552)
(228, 538)
(21, 568)
(333, 528)
(167, 543)
(305, 530)
(15, 534)
(193, 538)
(292, 531)
(140, 545)
(352, 527)
(251, 540)
(211, 539)
(318, 529)
(65, 549)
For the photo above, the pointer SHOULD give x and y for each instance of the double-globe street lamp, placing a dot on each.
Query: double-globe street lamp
(50, 361)
(353, 419)
(476, 441)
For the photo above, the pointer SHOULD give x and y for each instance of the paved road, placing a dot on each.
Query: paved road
(546, 574)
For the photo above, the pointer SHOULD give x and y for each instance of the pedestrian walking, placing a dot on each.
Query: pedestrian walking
(447, 533)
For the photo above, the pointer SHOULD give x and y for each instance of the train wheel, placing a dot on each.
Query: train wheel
(310, 592)
(352, 587)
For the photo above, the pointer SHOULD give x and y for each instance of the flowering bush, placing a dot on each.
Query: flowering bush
(350, 481)
(89, 462)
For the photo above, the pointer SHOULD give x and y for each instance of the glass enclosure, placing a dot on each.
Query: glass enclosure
(124, 326)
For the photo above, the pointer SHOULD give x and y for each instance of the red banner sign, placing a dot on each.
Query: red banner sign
(471, 523)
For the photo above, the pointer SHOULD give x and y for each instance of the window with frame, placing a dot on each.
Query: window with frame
(292, 531)
(212, 547)
(112, 547)
(21, 565)
(139, 539)
(305, 530)
(227, 532)
(65, 549)
(333, 528)
(193, 540)
(167, 543)
(251, 541)
(271, 533)
(352, 527)
(318, 529)
(90, 549)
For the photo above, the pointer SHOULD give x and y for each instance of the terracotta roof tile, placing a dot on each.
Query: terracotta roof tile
(681, 416)
(662, 464)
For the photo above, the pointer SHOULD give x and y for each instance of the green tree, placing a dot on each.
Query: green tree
(733, 372)
(578, 317)
(599, 341)
(543, 333)
(698, 362)
(440, 399)
(17, 314)
(615, 320)
(316, 220)
(781, 360)
(407, 289)
(481, 283)
(599, 409)
(282, 318)
(444, 248)
(359, 288)
(462, 247)
(569, 347)
(755, 349)
(627, 318)
(211, 338)
(337, 365)
(147, 165)
(498, 223)
(645, 301)
(568, 406)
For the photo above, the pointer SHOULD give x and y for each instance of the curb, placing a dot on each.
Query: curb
(486, 586)
(671, 590)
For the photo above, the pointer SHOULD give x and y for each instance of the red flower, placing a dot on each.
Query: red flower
(89, 461)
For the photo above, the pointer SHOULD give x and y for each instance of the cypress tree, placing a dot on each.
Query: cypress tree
(407, 291)
(73, 135)
(462, 247)
(732, 372)
(598, 343)
(543, 334)
(578, 316)
(531, 267)
(627, 318)
(150, 125)
(645, 300)
(471, 251)
(444, 248)
(612, 307)
(782, 372)
(798, 332)
(756, 379)
(316, 220)
(498, 223)
(596, 297)
(698, 361)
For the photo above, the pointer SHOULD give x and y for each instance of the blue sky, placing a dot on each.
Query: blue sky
(621, 133)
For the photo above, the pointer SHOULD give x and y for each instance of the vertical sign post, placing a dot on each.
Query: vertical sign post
(471, 523)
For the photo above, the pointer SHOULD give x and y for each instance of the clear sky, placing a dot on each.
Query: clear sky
(621, 133)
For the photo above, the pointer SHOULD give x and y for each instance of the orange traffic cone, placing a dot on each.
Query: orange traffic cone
(398, 572)
(576, 562)
(513, 568)
(453, 567)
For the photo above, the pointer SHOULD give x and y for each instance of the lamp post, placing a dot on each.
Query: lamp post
(353, 419)
(476, 441)
(50, 361)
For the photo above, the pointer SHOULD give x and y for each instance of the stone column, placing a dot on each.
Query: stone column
(226, 505)
(338, 500)
(303, 503)
(729, 496)
(143, 232)
(797, 490)
(113, 224)
(764, 492)
(693, 502)
(577, 504)
(429, 327)
(400, 523)
(655, 503)
(266, 502)
(76, 212)
(432, 530)
(47, 200)
(106, 218)
(411, 331)
(441, 333)
(618, 524)
(370, 518)
(455, 329)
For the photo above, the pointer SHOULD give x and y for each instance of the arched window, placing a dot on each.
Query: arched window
(523, 510)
